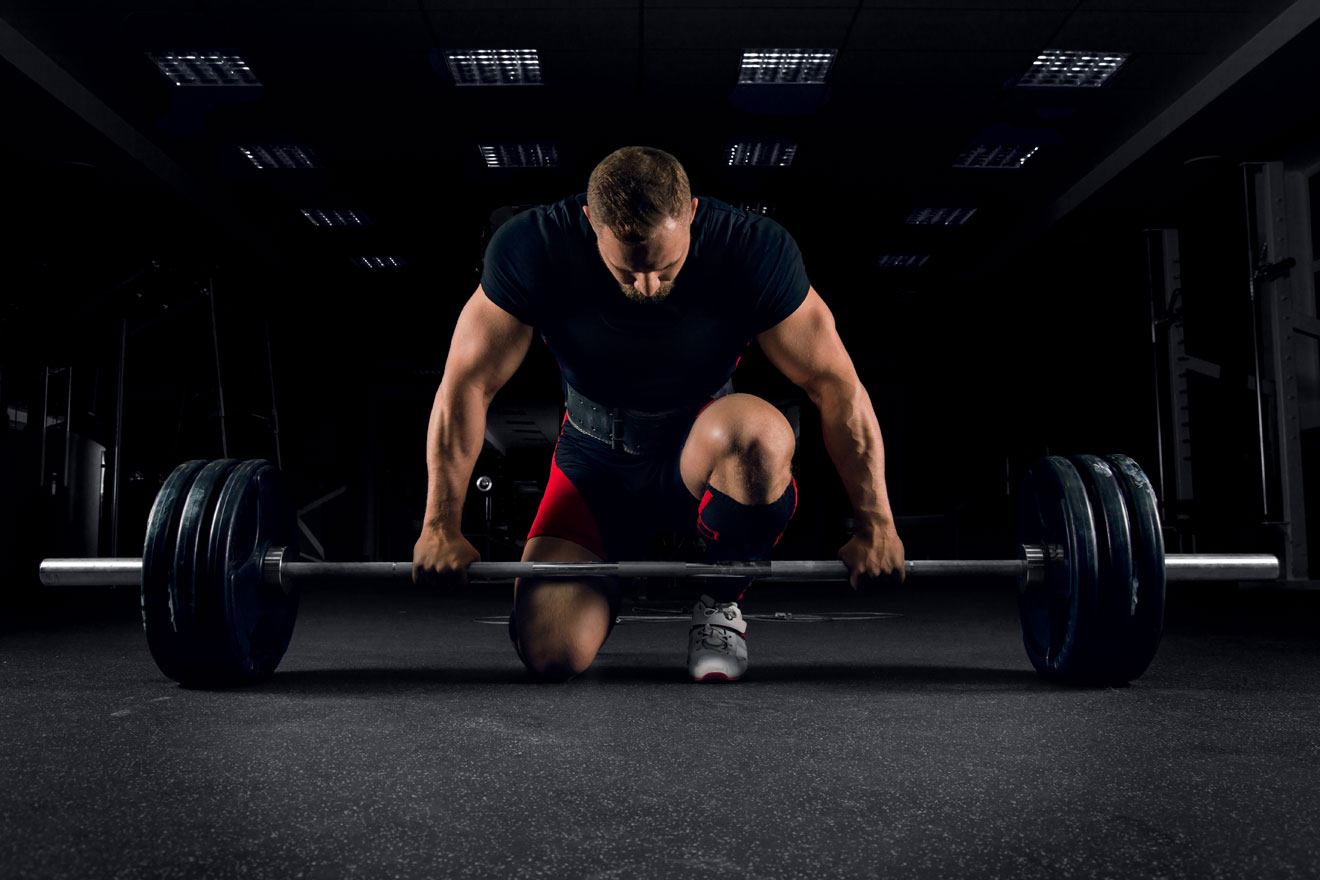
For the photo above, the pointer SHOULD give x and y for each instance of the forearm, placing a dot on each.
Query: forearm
(854, 444)
(453, 441)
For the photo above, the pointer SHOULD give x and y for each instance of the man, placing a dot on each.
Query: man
(647, 297)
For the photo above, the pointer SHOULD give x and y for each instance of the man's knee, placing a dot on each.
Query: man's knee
(758, 451)
(555, 660)
(768, 444)
(560, 626)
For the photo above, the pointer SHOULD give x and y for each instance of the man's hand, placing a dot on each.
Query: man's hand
(874, 558)
(441, 558)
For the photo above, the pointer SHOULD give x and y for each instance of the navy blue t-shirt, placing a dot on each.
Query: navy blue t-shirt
(743, 275)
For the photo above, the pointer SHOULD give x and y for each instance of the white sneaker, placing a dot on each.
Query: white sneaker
(717, 643)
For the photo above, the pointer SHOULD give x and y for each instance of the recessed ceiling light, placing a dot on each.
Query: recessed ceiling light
(785, 66)
(940, 216)
(210, 68)
(281, 156)
(534, 155)
(1004, 156)
(763, 153)
(1056, 68)
(333, 217)
(901, 261)
(494, 67)
(380, 262)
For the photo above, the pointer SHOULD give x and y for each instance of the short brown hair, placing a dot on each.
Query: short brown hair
(633, 189)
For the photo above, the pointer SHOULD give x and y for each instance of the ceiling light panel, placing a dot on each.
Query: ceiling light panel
(763, 153)
(494, 67)
(940, 216)
(535, 155)
(333, 217)
(211, 68)
(379, 262)
(1056, 68)
(1009, 157)
(785, 66)
(901, 261)
(280, 156)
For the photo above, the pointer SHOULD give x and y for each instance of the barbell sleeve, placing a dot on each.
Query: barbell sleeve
(1177, 567)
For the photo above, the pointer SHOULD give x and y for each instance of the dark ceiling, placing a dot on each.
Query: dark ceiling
(913, 86)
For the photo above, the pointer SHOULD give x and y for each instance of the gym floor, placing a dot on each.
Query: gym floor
(401, 738)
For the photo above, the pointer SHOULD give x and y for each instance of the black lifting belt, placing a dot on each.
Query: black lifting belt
(635, 432)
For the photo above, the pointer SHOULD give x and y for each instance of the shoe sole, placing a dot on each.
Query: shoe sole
(716, 676)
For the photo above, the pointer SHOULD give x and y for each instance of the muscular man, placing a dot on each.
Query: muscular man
(647, 298)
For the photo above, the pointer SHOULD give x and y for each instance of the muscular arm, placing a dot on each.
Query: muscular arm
(487, 347)
(806, 348)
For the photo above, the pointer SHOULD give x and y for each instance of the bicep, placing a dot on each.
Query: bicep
(806, 347)
(488, 345)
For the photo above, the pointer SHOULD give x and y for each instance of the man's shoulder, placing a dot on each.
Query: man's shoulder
(728, 226)
(541, 222)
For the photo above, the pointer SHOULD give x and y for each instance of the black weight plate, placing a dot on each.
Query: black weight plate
(1117, 567)
(1146, 613)
(158, 619)
(193, 609)
(255, 513)
(1059, 615)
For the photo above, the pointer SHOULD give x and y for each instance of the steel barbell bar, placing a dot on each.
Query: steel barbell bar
(278, 571)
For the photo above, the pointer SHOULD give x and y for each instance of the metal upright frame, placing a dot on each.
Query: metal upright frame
(1277, 201)
(1280, 283)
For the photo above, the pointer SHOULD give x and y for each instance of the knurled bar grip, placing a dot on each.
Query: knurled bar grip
(1177, 567)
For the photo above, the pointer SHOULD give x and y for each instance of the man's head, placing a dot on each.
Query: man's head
(640, 206)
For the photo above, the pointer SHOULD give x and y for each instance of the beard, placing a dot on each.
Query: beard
(638, 297)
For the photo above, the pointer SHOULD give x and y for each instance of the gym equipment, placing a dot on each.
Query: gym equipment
(220, 582)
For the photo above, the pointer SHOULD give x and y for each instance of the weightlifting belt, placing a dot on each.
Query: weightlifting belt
(633, 431)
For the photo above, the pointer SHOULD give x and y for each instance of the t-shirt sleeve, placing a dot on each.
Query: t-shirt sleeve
(507, 272)
(780, 284)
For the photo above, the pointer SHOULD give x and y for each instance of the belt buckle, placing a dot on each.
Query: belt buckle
(615, 437)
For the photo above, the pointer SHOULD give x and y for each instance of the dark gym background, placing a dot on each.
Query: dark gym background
(142, 250)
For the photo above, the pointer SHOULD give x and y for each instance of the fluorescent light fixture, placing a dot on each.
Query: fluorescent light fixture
(764, 153)
(533, 155)
(901, 261)
(765, 209)
(785, 66)
(940, 216)
(1003, 156)
(332, 217)
(380, 262)
(1056, 68)
(494, 67)
(210, 68)
(280, 156)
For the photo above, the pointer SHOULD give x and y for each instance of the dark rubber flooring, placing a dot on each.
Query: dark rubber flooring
(400, 738)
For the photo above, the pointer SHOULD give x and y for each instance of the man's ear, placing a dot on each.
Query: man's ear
(690, 219)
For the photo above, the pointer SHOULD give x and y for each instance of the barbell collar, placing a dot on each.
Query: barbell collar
(276, 570)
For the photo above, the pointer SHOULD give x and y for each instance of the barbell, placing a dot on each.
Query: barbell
(220, 580)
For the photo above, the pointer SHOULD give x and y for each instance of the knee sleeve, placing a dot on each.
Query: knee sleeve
(735, 531)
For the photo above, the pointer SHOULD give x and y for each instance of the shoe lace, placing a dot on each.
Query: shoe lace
(728, 609)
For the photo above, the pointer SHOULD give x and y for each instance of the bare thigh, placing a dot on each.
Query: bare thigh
(561, 624)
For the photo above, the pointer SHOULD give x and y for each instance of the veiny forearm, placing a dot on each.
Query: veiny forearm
(854, 444)
(453, 442)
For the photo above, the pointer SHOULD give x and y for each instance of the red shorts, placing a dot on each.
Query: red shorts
(611, 502)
